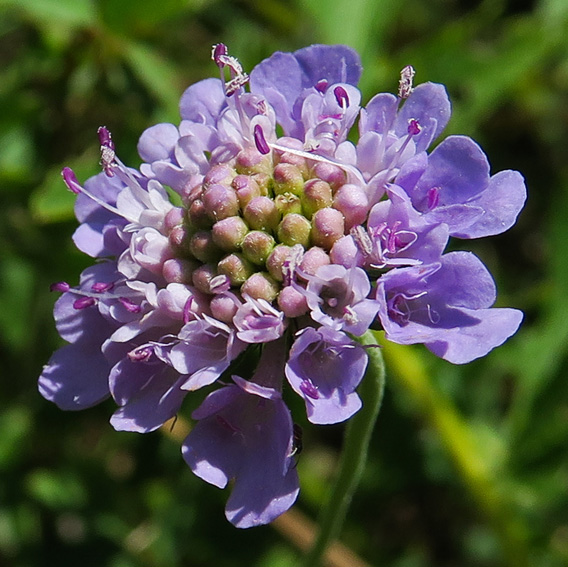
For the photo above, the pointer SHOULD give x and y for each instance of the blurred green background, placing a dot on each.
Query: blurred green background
(468, 465)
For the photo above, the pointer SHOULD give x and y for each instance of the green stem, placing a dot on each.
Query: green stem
(354, 453)
(481, 476)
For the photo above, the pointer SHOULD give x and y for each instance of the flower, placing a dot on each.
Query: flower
(287, 242)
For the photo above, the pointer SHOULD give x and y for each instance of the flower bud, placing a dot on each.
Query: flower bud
(328, 226)
(261, 214)
(291, 302)
(219, 174)
(229, 233)
(352, 201)
(330, 173)
(246, 188)
(296, 160)
(276, 260)
(223, 308)
(288, 203)
(288, 179)
(257, 246)
(220, 201)
(317, 195)
(294, 229)
(250, 160)
(236, 267)
(313, 259)
(177, 270)
(202, 276)
(174, 217)
(261, 285)
(197, 214)
(201, 245)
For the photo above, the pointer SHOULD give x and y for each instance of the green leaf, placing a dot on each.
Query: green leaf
(73, 13)
(159, 76)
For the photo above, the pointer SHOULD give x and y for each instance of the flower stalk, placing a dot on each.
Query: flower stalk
(354, 453)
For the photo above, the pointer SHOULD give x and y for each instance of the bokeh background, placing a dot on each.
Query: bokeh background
(468, 465)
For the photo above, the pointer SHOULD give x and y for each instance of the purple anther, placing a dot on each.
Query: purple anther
(130, 306)
(260, 141)
(322, 85)
(433, 198)
(405, 83)
(70, 180)
(59, 286)
(101, 287)
(84, 302)
(218, 52)
(341, 97)
(414, 127)
(308, 389)
(105, 139)
(108, 154)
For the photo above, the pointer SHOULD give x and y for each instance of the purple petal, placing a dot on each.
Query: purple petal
(149, 393)
(247, 438)
(430, 105)
(324, 368)
(501, 203)
(203, 102)
(76, 377)
(158, 142)
(458, 168)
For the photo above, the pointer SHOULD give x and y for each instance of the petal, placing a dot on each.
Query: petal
(501, 203)
(76, 377)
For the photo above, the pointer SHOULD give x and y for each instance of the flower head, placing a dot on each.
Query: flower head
(286, 242)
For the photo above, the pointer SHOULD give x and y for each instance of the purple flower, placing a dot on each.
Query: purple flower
(325, 367)
(244, 433)
(284, 232)
(446, 306)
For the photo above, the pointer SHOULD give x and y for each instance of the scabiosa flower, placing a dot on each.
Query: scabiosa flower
(287, 243)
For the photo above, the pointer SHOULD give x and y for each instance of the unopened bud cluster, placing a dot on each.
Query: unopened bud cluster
(243, 221)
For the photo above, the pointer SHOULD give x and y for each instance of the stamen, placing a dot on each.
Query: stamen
(350, 316)
(84, 302)
(291, 264)
(341, 97)
(362, 240)
(260, 141)
(59, 286)
(405, 83)
(70, 179)
(130, 306)
(218, 51)
(108, 154)
(236, 83)
(101, 287)
(322, 85)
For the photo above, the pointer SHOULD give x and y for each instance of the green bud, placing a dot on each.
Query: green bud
(261, 286)
(236, 267)
(229, 233)
(257, 246)
(294, 229)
